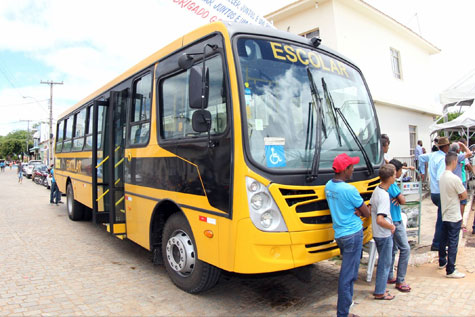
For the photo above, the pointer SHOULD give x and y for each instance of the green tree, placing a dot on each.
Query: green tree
(11, 147)
(15, 143)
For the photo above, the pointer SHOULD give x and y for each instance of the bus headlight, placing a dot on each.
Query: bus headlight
(266, 219)
(263, 210)
(260, 200)
(253, 186)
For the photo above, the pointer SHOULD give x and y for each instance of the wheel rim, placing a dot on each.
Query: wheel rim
(70, 200)
(181, 253)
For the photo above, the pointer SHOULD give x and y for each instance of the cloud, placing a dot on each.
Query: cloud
(83, 43)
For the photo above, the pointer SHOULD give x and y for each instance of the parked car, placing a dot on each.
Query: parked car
(40, 174)
(28, 168)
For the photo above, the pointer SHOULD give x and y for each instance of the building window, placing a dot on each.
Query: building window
(412, 139)
(310, 34)
(396, 63)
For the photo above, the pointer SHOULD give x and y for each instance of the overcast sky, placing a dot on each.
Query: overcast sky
(87, 43)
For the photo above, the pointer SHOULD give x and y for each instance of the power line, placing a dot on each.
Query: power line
(3, 70)
(25, 103)
(8, 79)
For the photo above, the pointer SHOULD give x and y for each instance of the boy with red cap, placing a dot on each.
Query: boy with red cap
(346, 207)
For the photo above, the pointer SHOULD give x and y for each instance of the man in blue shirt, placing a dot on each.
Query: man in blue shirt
(436, 168)
(417, 153)
(346, 207)
(55, 194)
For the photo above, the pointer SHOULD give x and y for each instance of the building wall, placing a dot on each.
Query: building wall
(308, 19)
(395, 123)
(365, 37)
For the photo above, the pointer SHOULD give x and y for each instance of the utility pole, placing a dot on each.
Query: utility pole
(27, 137)
(50, 145)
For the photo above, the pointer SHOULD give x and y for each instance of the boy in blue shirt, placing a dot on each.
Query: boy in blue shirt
(346, 208)
(400, 236)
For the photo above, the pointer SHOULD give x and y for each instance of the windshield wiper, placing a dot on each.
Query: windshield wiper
(313, 171)
(352, 132)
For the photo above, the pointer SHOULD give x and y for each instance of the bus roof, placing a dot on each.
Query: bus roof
(229, 27)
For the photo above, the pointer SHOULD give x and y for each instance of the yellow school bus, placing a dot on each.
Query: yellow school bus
(213, 153)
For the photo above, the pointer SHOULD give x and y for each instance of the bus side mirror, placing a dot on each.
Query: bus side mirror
(201, 121)
(198, 88)
(185, 61)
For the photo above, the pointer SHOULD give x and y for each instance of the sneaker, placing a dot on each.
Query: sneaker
(456, 274)
(441, 267)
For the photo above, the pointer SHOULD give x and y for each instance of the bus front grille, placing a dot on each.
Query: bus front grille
(321, 246)
(318, 220)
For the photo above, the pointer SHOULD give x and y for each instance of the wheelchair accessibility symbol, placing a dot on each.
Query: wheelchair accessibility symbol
(275, 155)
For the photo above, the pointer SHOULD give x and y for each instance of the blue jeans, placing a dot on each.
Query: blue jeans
(449, 237)
(400, 242)
(385, 248)
(438, 225)
(350, 250)
(54, 197)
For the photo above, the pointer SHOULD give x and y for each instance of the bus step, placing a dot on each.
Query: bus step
(121, 236)
(119, 228)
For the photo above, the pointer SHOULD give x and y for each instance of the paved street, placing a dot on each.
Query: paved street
(50, 266)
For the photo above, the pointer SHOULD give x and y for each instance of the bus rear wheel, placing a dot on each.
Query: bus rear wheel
(181, 260)
(75, 209)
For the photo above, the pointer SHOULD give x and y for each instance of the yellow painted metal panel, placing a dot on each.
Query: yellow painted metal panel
(258, 251)
(138, 212)
(118, 228)
(207, 248)
(82, 192)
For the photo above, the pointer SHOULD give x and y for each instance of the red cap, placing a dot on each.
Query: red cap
(342, 161)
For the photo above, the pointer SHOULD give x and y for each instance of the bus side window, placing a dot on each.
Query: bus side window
(59, 137)
(80, 123)
(175, 111)
(68, 134)
(88, 129)
(140, 112)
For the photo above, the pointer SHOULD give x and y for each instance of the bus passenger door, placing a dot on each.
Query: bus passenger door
(112, 165)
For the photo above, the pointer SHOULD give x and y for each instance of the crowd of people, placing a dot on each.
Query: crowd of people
(446, 167)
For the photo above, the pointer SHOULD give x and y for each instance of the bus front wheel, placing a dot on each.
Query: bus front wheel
(180, 258)
(75, 209)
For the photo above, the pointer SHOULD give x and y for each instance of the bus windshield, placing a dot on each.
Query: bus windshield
(282, 109)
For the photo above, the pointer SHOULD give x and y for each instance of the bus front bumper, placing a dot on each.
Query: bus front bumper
(262, 252)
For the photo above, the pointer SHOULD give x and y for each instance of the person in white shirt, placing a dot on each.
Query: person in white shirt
(451, 192)
(383, 230)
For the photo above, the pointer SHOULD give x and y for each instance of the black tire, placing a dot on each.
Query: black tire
(75, 209)
(178, 239)
(87, 213)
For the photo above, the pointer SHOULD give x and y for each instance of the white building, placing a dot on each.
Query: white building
(394, 60)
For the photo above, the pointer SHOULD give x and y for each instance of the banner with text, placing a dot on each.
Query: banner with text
(223, 10)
